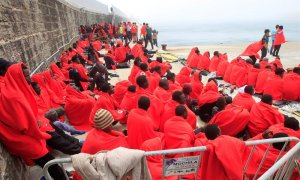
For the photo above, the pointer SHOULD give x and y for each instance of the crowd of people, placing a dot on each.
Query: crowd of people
(158, 107)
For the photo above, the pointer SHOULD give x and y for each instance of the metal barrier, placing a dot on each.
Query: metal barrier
(201, 149)
(285, 166)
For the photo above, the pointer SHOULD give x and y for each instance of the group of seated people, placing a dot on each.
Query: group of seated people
(159, 108)
(266, 77)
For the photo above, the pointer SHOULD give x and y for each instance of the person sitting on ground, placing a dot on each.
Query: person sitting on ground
(106, 101)
(195, 59)
(274, 85)
(143, 71)
(154, 78)
(102, 137)
(140, 125)
(178, 132)
(129, 96)
(207, 100)
(53, 116)
(121, 54)
(291, 85)
(59, 139)
(233, 116)
(134, 70)
(262, 78)
(269, 160)
(184, 75)
(216, 162)
(252, 75)
(172, 82)
(197, 85)
(178, 98)
(165, 66)
(245, 99)
(263, 115)
(20, 133)
(162, 91)
(78, 108)
(156, 105)
(187, 89)
(214, 62)
(264, 62)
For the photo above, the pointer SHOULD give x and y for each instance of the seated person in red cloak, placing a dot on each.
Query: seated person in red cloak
(110, 62)
(223, 152)
(162, 91)
(134, 70)
(262, 78)
(270, 158)
(291, 85)
(274, 85)
(143, 71)
(127, 99)
(215, 60)
(207, 100)
(120, 90)
(178, 132)
(156, 105)
(154, 78)
(102, 137)
(252, 75)
(106, 101)
(263, 115)
(78, 108)
(121, 54)
(234, 116)
(165, 66)
(184, 75)
(20, 133)
(155, 163)
(195, 59)
(197, 85)
(172, 82)
(245, 99)
(204, 62)
(178, 98)
(187, 89)
(78, 74)
(140, 125)
(264, 62)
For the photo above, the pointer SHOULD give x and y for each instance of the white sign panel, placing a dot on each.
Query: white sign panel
(181, 166)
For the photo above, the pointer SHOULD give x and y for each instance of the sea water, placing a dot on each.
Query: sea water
(189, 34)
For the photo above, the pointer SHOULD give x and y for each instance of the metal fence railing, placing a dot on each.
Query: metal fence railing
(281, 161)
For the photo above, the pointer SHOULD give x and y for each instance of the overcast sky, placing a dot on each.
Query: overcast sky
(158, 12)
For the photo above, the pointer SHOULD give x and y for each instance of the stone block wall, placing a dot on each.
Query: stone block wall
(32, 30)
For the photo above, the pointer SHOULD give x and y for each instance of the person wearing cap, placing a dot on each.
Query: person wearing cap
(102, 136)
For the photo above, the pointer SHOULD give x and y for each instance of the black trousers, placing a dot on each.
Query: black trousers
(155, 42)
(148, 39)
(264, 52)
(55, 170)
(276, 50)
(253, 59)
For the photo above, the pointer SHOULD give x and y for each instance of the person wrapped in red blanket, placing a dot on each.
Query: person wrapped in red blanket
(252, 75)
(194, 59)
(106, 101)
(78, 108)
(197, 85)
(129, 96)
(140, 126)
(178, 132)
(184, 75)
(263, 115)
(102, 137)
(291, 85)
(204, 62)
(178, 98)
(262, 78)
(19, 130)
(274, 85)
(162, 91)
(245, 99)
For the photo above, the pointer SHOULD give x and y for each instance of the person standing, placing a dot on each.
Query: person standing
(279, 39)
(265, 38)
(273, 34)
(148, 36)
(154, 37)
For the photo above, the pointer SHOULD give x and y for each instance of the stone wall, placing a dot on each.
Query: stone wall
(32, 30)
